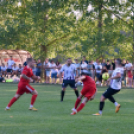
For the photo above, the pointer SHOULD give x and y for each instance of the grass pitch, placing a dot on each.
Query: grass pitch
(53, 116)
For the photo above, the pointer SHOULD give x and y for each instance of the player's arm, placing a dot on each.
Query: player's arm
(117, 76)
(80, 78)
(25, 77)
(35, 77)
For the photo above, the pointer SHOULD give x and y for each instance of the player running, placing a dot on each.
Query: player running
(115, 86)
(88, 92)
(69, 77)
(23, 86)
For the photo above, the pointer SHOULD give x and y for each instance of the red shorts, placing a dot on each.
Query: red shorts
(88, 91)
(24, 88)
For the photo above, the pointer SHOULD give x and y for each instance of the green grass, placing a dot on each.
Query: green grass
(53, 117)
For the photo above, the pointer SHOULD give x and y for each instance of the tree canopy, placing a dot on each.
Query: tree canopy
(69, 28)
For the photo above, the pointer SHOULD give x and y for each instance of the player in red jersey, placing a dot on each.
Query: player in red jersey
(88, 92)
(24, 87)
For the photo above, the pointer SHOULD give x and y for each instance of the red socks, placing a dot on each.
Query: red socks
(33, 99)
(77, 102)
(12, 101)
(81, 107)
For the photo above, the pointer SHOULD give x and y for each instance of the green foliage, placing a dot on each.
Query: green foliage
(50, 28)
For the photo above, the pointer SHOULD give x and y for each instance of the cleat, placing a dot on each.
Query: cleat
(73, 110)
(7, 109)
(33, 108)
(117, 108)
(97, 114)
(73, 113)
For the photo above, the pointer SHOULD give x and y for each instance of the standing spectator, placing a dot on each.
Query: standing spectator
(15, 69)
(20, 69)
(38, 69)
(0, 70)
(47, 70)
(90, 69)
(113, 64)
(110, 71)
(129, 74)
(103, 63)
(78, 66)
(104, 70)
(10, 63)
(25, 64)
(3, 69)
(84, 67)
(84, 59)
(123, 62)
(108, 65)
(96, 62)
(53, 72)
(59, 66)
(98, 68)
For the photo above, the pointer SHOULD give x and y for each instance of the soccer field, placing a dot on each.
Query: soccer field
(53, 116)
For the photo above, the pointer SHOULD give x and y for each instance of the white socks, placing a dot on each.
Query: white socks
(100, 112)
(116, 104)
(31, 106)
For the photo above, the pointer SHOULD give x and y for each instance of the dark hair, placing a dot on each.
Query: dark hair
(107, 60)
(83, 73)
(57, 62)
(119, 61)
(29, 60)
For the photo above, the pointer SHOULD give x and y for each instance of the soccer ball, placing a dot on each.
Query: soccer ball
(105, 76)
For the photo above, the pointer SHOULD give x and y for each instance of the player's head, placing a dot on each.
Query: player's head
(69, 61)
(84, 73)
(30, 62)
(118, 62)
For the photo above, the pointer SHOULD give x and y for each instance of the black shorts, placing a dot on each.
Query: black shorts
(71, 83)
(9, 70)
(38, 73)
(109, 92)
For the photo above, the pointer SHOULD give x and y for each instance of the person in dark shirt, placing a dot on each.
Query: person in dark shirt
(113, 64)
(84, 59)
(108, 65)
(123, 62)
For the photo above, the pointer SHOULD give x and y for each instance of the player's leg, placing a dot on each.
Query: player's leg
(31, 90)
(82, 105)
(73, 85)
(64, 85)
(33, 99)
(12, 101)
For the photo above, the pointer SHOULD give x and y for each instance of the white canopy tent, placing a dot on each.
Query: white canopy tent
(19, 56)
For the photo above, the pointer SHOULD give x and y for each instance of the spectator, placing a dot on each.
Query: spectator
(129, 74)
(103, 63)
(110, 71)
(25, 63)
(10, 63)
(104, 70)
(38, 69)
(78, 66)
(108, 65)
(90, 69)
(20, 69)
(3, 69)
(15, 69)
(84, 59)
(98, 68)
(113, 64)
(123, 62)
(84, 67)
(53, 72)
(59, 66)
(96, 62)
(47, 70)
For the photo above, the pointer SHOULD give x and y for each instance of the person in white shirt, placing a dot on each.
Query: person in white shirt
(115, 87)
(15, 69)
(3, 69)
(84, 67)
(54, 71)
(98, 69)
(47, 70)
(128, 68)
(10, 64)
(59, 66)
(69, 70)
(20, 69)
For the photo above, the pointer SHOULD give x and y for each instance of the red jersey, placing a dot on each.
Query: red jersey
(88, 81)
(28, 72)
